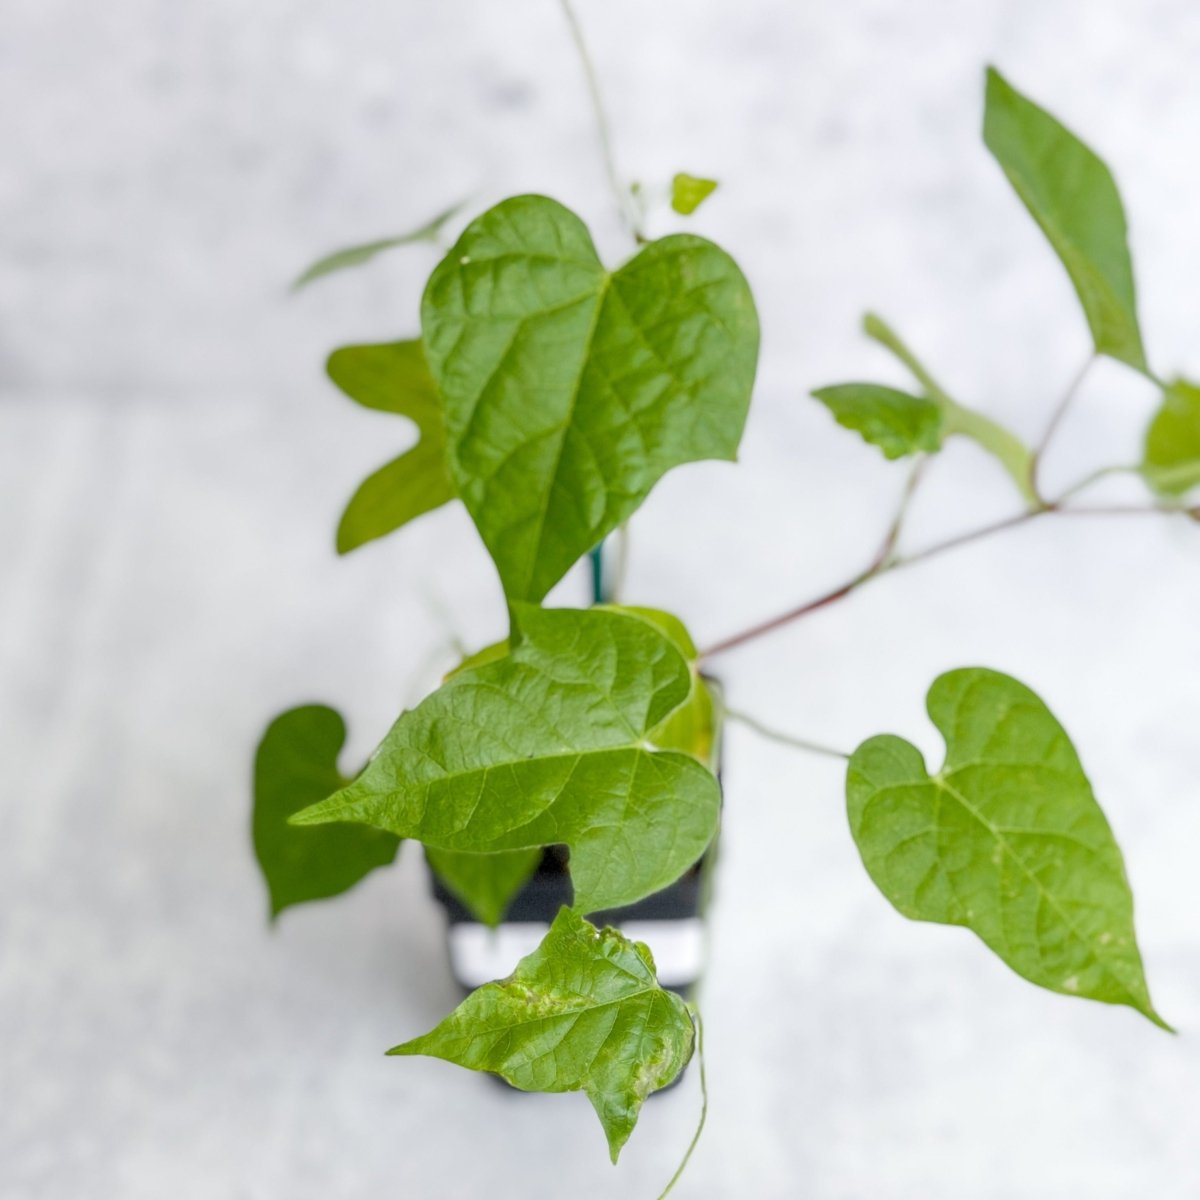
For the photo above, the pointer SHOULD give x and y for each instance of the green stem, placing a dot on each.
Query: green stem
(876, 328)
(620, 192)
(699, 1027)
(1008, 449)
(630, 217)
(596, 559)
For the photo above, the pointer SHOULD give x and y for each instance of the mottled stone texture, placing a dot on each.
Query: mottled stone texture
(171, 469)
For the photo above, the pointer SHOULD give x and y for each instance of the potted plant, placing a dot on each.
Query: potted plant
(551, 393)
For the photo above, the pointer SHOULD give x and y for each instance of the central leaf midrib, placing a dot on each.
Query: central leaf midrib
(544, 509)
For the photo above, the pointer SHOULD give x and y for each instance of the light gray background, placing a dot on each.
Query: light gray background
(171, 469)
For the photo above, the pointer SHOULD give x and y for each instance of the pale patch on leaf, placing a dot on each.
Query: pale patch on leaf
(392, 377)
(1072, 196)
(583, 1012)
(1007, 840)
(296, 765)
(569, 390)
(550, 745)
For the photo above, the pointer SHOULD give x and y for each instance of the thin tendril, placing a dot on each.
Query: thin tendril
(620, 193)
(694, 1013)
(786, 739)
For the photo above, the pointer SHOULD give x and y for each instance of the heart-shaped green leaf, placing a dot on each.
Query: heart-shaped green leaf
(897, 422)
(550, 744)
(1007, 839)
(487, 883)
(296, 765)
(569, 391)
(583, 1012)
(1072, 196)
(392, 377)
(1172, 461)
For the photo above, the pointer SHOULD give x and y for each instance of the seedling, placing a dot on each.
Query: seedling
(551, 393)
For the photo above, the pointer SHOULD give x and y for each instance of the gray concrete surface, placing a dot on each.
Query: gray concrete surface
(171, 469)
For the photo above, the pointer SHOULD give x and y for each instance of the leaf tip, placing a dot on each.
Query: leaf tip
(1152, 1015)
(344, 540)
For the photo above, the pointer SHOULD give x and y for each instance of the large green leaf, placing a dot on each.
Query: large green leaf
(1071, 194)
(583, 1012)
(1172, 461)
(364, 252)
(392, 377)
(958, 420)
(895, 421)
(485, 883)
(551, 744)
(569, 390)
(1007, 839)
(296, 766)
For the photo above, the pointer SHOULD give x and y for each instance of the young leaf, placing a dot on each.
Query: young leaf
(392, 377)
(897, 422)
(355, 256)
(485, 883)
(1072, 196)
(1007, 839)
(296, 765)
(568, 391)
(550, 744)
(688, 192)
(1007, 449)
(1172, 461)
(583, 1012)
